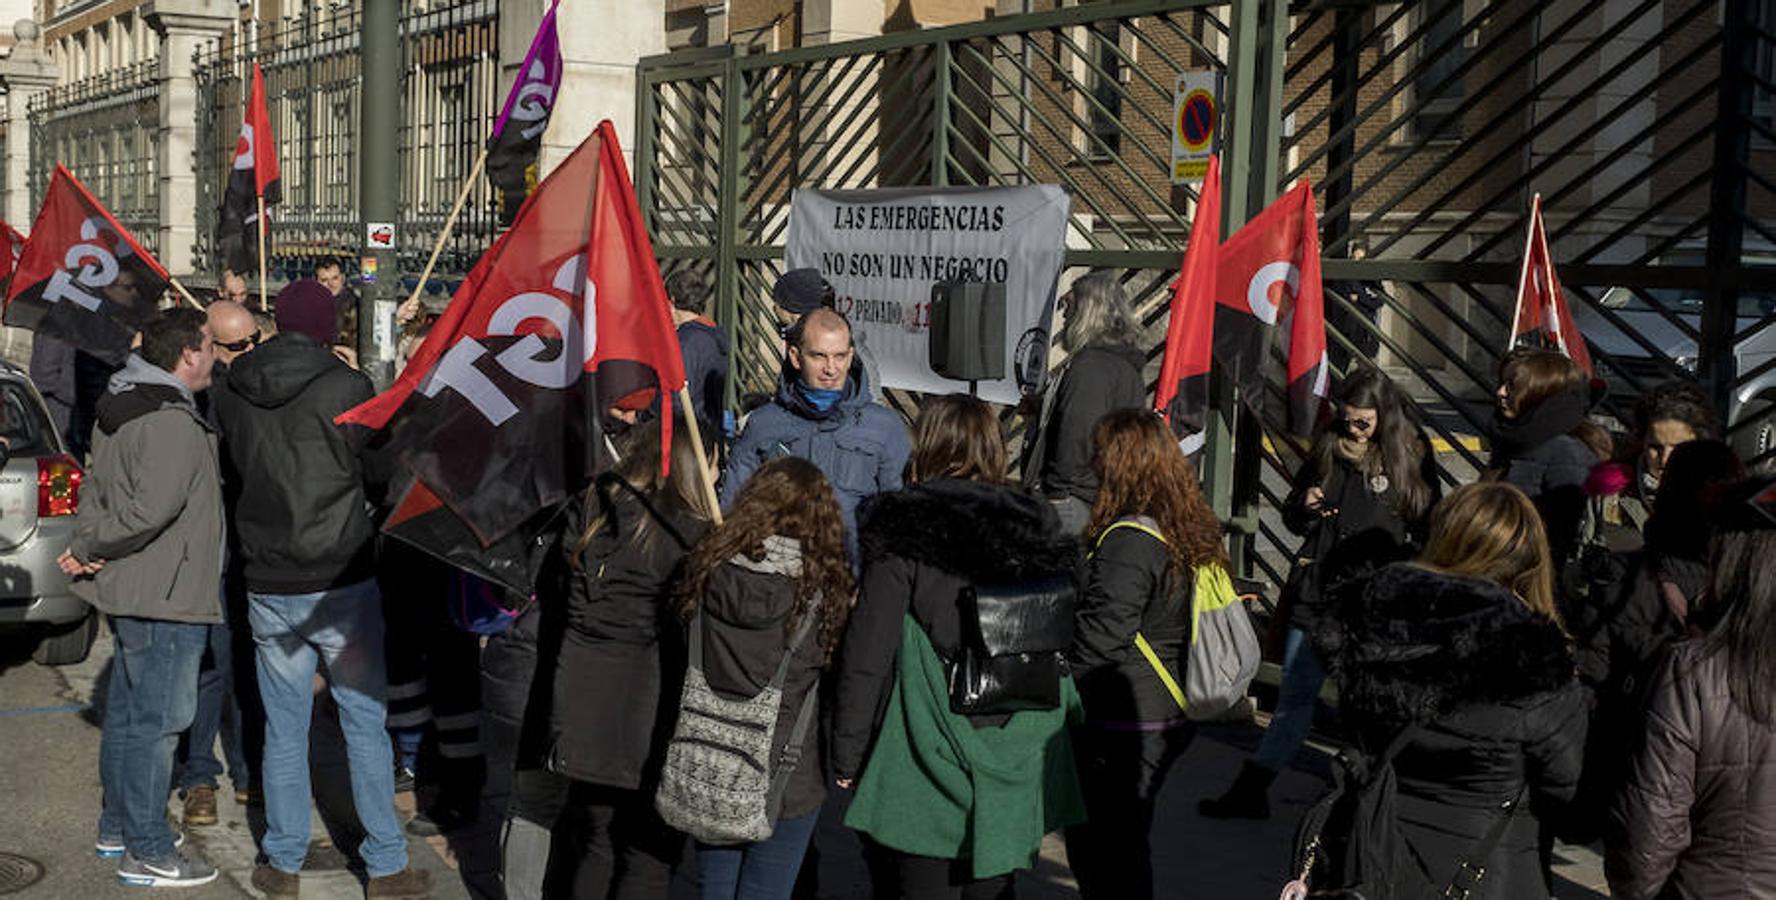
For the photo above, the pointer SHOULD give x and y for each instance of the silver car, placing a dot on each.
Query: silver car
(39, 494)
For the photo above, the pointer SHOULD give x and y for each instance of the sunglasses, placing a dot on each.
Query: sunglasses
(242, 345)
(1356, 424)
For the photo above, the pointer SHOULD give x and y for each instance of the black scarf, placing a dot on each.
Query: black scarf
(1553, 417)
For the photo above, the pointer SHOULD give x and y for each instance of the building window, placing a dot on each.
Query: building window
(1436, 88)
(1105, 84)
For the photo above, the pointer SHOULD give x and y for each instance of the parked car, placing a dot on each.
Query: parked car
(39, 494)
(1753, 403)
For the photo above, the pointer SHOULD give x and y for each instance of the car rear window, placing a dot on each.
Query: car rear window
(22, 423)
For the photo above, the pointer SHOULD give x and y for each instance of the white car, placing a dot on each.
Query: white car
(39, 495)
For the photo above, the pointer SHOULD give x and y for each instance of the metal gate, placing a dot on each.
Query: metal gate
(109, 127)
(1424, 126)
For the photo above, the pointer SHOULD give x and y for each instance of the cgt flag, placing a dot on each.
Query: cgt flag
(11, 245)
(494, 423)
(1269, 269)
(518, 133)
(82, 277)
(253, 175)
(1183, 391)
(1542, 317)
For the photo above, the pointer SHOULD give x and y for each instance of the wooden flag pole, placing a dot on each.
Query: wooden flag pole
(704, 476)
(262, 304)
(184, 293)
(462, 197)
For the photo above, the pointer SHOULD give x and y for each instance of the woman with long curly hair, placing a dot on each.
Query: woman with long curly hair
(1457, 664)
(1361, 499)
(956, 801)
(1150, 531)
(777, 562)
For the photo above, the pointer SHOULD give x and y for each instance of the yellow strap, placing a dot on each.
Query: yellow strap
(1159, 667)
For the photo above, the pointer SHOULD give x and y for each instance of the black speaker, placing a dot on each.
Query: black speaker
(968, 330)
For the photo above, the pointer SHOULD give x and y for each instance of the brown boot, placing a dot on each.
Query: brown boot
(407, 884)
(275, 884)
(200, 806)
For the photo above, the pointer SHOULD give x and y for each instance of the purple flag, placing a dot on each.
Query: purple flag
(518, 133)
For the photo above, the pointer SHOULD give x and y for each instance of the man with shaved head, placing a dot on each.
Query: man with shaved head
(823, 413)
(220, 688)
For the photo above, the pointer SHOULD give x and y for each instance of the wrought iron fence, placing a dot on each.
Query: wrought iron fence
(449, 75)
(1425, 126)
(105, 130)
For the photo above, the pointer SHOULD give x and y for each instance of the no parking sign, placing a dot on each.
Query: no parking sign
(1196, 117)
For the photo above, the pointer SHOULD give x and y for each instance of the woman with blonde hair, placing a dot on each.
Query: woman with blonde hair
(1456, 667)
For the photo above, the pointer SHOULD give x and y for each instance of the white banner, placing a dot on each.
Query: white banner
(883, 250)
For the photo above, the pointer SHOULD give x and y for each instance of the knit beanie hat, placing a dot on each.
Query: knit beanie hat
(307, 307)
(800, 291)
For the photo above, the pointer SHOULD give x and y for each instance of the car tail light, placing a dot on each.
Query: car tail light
(58, 486)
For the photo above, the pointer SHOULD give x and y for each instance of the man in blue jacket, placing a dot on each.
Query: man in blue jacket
(822, 413)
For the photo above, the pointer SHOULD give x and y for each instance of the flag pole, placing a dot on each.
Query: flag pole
(462, 197)
(184, 293)
(1535, 215)
(703, 474)
(262, 304)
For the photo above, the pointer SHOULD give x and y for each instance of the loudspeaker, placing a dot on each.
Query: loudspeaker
(968, 330)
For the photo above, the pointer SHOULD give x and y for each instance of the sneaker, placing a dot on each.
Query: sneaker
(275, 883)
(110, 846)
(200, 806)
(407, 884)
(441, 818)
(177, 870)
(249, 794)
(403, 779)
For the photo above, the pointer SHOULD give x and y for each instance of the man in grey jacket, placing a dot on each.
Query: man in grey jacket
(147, 552)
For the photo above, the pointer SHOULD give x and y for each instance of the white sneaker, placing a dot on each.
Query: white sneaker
(177, 870)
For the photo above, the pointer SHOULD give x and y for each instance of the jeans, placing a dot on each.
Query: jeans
(342, 628)
(218, 710)
(765, 870)
(151, 698)
(1121, 774)
(1296, 698)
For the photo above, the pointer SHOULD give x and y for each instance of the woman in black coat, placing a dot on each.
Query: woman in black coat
(613, 702)
(1542, 442)
(1362, 499)
(1462, 653)
(1151, 531)
(958, 524)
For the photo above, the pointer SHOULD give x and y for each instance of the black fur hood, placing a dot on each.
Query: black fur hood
(986, 533)
(1415, 644)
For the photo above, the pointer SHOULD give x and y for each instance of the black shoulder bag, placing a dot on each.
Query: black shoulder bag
(1014, 638)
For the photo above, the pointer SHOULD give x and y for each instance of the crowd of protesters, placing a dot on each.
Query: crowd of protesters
(1581, 645)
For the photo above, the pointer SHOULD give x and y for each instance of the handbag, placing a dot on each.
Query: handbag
(1013, 645)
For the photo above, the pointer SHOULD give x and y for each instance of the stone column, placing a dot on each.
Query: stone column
(602, 41)
(26, 74)
(182, 26)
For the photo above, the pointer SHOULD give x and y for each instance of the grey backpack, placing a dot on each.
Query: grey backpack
(724, 775)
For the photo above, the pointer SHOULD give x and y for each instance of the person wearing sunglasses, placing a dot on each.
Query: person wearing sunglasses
(1361, 499)
(234, 329)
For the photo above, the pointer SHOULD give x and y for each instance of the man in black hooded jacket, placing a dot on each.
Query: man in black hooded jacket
(308, 540)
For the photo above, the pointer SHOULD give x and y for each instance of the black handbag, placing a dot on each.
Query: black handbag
(1013, 646)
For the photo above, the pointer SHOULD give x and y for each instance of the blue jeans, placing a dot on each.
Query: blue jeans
(218, 710)
(1296, 699)
(342, 628)
(765, 870)
(150, 699)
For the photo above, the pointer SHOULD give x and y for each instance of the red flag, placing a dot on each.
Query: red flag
(82, 277)
(11, 245)
(1542, 316)
(1183, 390)
(1268, 270)
(256, 129)
(563, 314)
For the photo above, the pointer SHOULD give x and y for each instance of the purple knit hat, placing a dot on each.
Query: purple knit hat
(307, 307)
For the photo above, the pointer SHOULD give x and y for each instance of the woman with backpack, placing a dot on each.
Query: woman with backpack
(616, 675)
(1542, 441)
(920, 767)
(1361, 499)
(1456, 670)
(765, 596)
(1150, 533)
(1698, 817)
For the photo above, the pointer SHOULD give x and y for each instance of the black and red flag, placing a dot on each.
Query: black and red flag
(518, 132)
(1542, 317)
(1268, 270)
(1183, 391)
(11, 245)
(495, 421)
(82, 277)
(253, 174)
